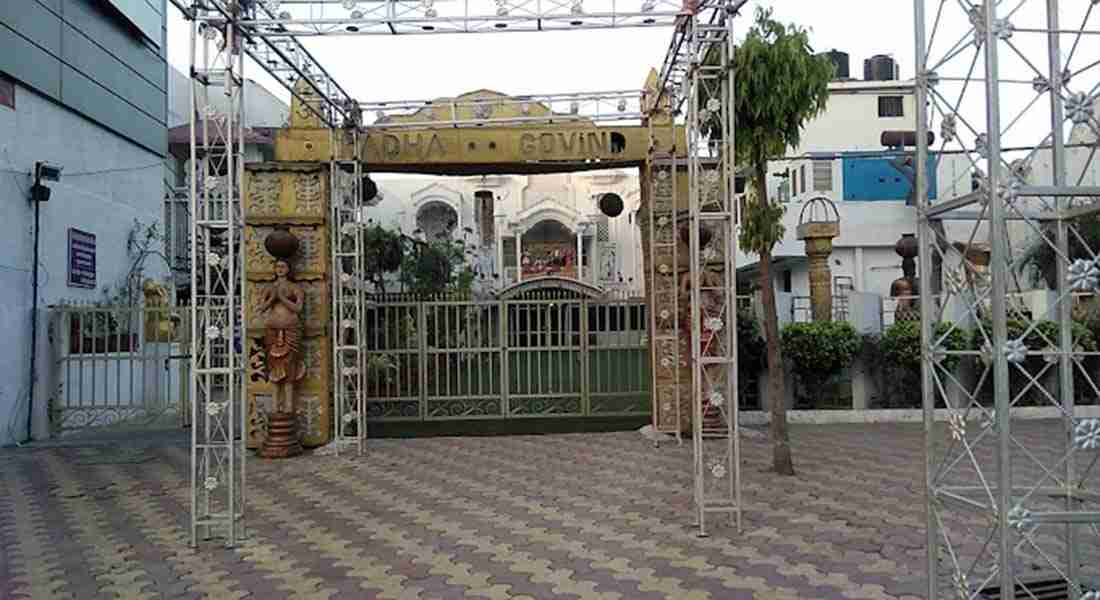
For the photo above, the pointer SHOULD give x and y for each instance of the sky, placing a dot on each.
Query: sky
(430, 66)
(422, 67)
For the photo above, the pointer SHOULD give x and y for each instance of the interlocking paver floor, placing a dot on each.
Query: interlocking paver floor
(557, 516)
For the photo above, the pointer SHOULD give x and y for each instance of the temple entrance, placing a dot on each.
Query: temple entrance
(550, 248)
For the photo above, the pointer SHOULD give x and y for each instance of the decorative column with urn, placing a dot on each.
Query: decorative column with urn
(818, 224)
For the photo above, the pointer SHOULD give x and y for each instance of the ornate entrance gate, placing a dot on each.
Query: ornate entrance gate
(546, 355)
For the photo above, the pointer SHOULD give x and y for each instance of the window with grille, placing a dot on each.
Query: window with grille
(509, 250)
(823, 175)
(603, 229)
(891, 106)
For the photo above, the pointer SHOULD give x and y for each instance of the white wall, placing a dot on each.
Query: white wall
(101, 203)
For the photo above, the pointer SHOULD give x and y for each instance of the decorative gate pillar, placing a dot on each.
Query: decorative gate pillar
(292, 193)
(817, 230)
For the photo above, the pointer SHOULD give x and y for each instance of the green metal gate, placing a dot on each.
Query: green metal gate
(540, 356)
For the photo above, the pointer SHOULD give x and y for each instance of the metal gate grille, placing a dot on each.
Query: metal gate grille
(441, 360)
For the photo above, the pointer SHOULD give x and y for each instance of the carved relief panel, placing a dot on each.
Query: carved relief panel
(285, 193)
(310, 262)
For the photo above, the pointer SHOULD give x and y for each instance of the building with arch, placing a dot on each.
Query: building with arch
(521, 226)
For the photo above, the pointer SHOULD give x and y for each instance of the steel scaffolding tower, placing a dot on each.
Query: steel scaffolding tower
(712, 220)
(217, 327)
(1015, 90)
(348, 287)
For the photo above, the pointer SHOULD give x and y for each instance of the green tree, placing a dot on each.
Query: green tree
(779, 85)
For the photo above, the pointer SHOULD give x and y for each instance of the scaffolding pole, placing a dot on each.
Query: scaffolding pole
(1009, 514)
(217, 327)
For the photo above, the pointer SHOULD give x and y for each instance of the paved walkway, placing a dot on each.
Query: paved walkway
(559, 516)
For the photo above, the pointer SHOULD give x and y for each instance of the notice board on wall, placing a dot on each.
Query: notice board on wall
(81, 259)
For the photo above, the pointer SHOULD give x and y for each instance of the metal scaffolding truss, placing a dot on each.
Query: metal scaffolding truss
(712, 248)
(217, 329)
(224, 32)
(279, 53)
(701, 67)
(1010, 89)
(348, 285)
(406, 17)
(616, 106)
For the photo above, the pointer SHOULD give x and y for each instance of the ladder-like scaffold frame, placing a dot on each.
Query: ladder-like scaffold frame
(348, 288)
(270, 37)
(217, 327)
(1003, 506)
(712, 207)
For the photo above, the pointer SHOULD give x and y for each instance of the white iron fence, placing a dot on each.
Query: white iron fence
(116, 366)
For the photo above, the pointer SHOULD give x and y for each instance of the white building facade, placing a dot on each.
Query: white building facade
(524, 226)
(842, 158)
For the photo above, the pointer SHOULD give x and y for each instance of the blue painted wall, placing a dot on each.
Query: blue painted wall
(90, 58)
(874, 178)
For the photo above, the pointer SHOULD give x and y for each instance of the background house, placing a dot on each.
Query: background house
(523, 226)
(842, 158)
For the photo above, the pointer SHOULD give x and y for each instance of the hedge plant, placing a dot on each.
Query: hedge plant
(1044, 334)
(895, 359)
(818, 351)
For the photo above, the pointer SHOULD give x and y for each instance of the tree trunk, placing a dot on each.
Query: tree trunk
(781, 447)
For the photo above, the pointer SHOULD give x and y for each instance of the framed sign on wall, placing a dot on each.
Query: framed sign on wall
(81, 259)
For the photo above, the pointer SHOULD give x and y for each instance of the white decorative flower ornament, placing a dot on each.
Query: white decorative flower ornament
(213, 332)
(214, 408)
(1086, 435)
(664, 269)
(662, 222)
(718, 470)
(949, 128)
(210, 483)
(1083, 275)
(345, 278)
(716, 399)
(348, 228)
(213, 259)
(351, 416)
(349, 371)
(981, 145)
(666, 362)
(989, 421)
(1003, 29)
(1015, 351)
(713, 324)
(957, 425)
(1079, 108)
(1019, 518)
(347, 324)
(714, 105)
(662, 174)
(665, 314)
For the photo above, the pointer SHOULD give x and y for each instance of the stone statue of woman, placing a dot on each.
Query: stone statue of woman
(283, 336)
